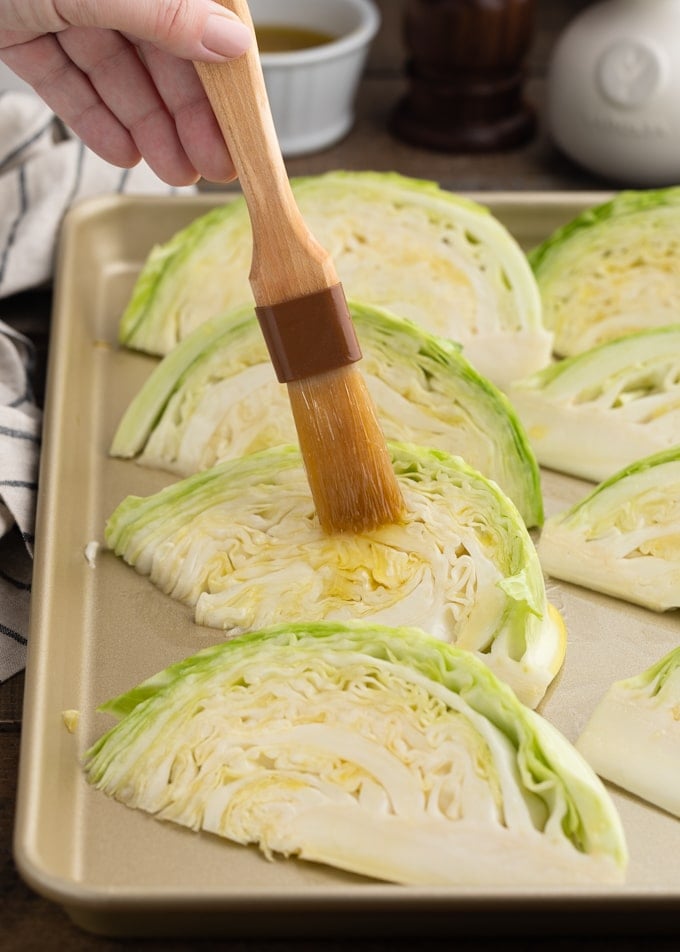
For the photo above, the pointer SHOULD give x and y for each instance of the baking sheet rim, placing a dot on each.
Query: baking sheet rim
(74, 896)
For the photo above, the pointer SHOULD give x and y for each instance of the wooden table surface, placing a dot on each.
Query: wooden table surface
(27, 921)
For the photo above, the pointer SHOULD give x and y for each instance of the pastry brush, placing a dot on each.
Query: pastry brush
(303, 313)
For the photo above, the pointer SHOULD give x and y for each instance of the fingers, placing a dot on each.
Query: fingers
(67, 91)
(195, 121)
(92, 76)
(96, 83)
(198, 30)
(31, 17)
(121, 79)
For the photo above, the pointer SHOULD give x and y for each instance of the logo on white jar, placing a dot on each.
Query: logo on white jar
(629, 73)
(627, 125)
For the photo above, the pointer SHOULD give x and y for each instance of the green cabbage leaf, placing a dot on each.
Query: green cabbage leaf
(633, 736)
(371, 749)
(612, 270)
(623, 538)
(215, 397)
(595, 413)
(400, 243)
(241, 544)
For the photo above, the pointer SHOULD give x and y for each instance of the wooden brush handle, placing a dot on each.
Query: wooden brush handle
(287, 261)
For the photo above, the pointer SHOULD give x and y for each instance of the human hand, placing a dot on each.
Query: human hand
(119, 73)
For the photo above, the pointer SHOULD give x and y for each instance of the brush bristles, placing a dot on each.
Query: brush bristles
(348, 465)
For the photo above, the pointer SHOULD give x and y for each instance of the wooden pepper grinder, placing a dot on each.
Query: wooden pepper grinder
(466, 75)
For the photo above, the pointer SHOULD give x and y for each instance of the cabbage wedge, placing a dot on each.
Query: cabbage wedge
(371, 749)
(632, 737)
(215, 397)
(623, 539)
(241, 545)
(401, 243)
(612, 270)
(593, 414)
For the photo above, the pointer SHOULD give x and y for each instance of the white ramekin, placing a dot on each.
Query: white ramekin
(312, 91)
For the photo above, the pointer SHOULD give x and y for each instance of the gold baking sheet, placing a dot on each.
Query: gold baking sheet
(99, 629)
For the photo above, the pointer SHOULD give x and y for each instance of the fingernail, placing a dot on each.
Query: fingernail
(226, 36)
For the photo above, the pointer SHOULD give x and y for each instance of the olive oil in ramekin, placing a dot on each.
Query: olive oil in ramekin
(275, 38)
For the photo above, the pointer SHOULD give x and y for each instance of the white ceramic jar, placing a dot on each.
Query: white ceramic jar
(613, 91)
(312, 91)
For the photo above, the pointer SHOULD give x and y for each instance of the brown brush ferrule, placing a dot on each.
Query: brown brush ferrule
(309, 335)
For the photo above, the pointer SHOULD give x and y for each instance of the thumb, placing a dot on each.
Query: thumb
(190, 29)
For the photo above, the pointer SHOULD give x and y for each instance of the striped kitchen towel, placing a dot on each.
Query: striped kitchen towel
(20, 421)
(43, 170)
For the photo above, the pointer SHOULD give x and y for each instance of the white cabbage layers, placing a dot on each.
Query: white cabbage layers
(613, 270)
(623, 539)
(400, 243)
(240, 542)
(592, 414)
(215, 397)
(375, 750)
(633, 736)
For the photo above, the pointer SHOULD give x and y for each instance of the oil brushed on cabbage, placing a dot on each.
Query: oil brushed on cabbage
(303, 312)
